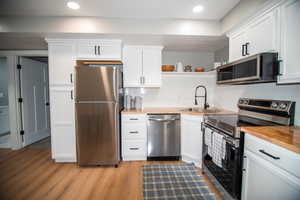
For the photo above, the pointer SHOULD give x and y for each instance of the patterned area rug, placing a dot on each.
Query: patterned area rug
(170, 182)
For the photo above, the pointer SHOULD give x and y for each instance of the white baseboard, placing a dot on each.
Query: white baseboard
(65, 159)
(132, 158)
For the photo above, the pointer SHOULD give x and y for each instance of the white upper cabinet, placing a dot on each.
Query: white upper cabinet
(236, 48)
(261, 35)
(152, 67)
(290, 40)
(142, 66)
(132, 62)
(257, 36)
(61, 63)
(99, 49)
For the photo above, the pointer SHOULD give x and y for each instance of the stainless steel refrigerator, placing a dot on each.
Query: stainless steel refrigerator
(98, 102)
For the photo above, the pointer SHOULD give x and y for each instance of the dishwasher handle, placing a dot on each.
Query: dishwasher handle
(162, 120)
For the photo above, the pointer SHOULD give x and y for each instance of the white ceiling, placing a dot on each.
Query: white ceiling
(167, 9)
(23, 41)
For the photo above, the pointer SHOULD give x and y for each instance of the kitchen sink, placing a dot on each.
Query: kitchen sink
(201, 110)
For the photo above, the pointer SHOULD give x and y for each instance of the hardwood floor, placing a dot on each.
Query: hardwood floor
(30, 173)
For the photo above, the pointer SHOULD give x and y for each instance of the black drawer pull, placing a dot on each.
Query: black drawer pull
(134, 149)
(133, 119)
(274, 157)
(134, 132)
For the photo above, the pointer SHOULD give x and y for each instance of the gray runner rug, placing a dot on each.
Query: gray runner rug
(170, 182)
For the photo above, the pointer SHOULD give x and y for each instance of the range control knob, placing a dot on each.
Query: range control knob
(241, 101)
(283, 106)
(274, 105)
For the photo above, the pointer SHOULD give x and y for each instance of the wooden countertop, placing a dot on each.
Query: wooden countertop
(170, 110)
(285, 136)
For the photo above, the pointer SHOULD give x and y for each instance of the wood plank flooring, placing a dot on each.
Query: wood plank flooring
(30, 173)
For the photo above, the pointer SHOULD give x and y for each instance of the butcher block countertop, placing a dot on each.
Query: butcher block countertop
(176, 110)
(285, 136)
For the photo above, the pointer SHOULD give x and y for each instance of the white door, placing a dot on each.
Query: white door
(34, 92)
(151, 67)
(290, 40)
(263, 180)
(132, 66)
(261, 35)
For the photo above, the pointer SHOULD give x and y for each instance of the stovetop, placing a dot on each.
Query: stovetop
(231, 123)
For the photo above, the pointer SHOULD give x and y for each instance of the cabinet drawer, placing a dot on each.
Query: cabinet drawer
(133, 148)
(134, 131)
(134, 118)
(282, 158)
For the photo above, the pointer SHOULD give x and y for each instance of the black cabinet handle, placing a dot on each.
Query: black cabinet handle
(47, 104)
(99, 50)
(72, 94)
(71, 78)
(134, 132)
(270, 155)
(134, 149)
(95, 48)
(246, 48)
(243, 50)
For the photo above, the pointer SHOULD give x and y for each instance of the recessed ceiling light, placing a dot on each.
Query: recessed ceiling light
(198, 8)
(73, 5)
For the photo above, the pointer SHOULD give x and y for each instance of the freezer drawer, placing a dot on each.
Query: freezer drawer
(163, 135)
(97, 131)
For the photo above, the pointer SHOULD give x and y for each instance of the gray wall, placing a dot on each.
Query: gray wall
(196, 59)
(3, 81)
(222, 55)
(243, 10)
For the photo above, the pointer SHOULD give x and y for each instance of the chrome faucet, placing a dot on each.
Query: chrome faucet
(205, 96)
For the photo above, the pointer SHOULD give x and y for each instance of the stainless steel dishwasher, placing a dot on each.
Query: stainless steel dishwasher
(163, 135)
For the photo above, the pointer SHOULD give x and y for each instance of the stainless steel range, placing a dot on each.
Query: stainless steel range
(224, 141)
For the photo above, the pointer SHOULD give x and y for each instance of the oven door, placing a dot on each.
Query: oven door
(229, 176)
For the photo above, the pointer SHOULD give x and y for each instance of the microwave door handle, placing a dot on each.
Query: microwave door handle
(243, 50)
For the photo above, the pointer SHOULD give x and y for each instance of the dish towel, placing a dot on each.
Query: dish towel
(208, 141)
(218, 149)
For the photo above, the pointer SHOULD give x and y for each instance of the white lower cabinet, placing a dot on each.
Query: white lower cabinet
(191, 139)
(267, 177)
(63, 139)
(134, 137)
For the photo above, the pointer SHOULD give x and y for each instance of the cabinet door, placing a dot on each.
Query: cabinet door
(262, 180)
(98, 50)
(62, 124)
(151, 67)
(261, 35)
(191, 139)
(132, 66)
(61, 64)
(236, 43)
(290, 40)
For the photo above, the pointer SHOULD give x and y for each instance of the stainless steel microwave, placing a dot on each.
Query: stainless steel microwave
(260, 68)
